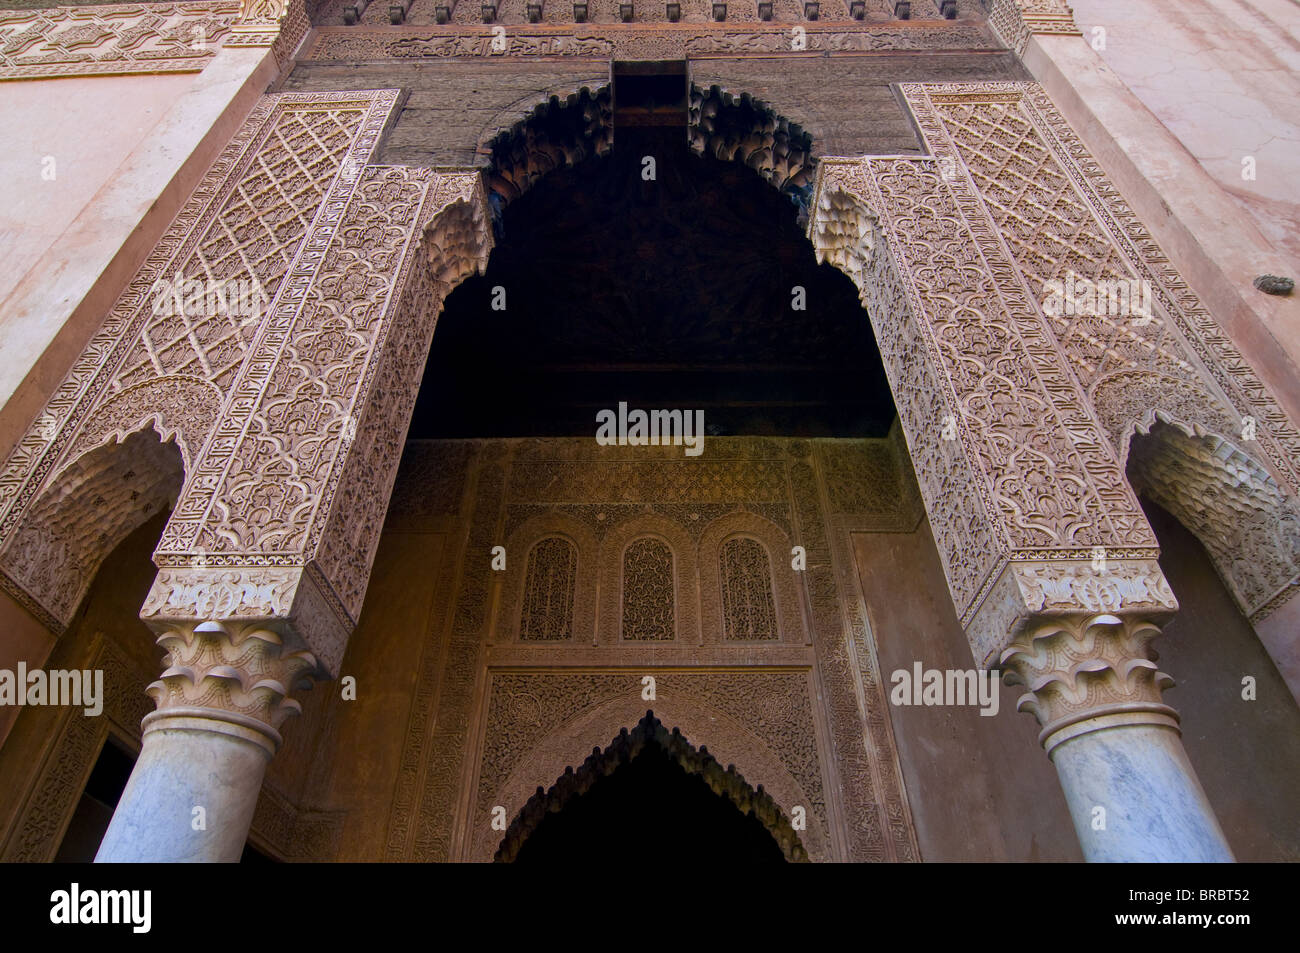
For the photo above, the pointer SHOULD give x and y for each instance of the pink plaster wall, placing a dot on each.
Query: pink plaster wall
(1224, 77)
(89, 126)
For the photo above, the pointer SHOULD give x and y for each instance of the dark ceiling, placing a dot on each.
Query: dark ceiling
(674, 293)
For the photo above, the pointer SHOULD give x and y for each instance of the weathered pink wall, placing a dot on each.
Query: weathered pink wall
(1224, 77)
(88, 126)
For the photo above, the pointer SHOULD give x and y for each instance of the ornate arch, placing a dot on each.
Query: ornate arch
(1226, 497)
(785, 589)
(685, 612)
(722, 740)
(560, 132)
(556, 133)
(87, 509)
(1173, 438)
(1132, 402)
(177, 407)
(522, 542)
(746, 130)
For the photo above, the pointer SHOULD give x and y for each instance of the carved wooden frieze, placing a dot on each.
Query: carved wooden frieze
(344, 44)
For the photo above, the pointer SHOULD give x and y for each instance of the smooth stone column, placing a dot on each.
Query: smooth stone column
(194, 788)
(1132, 793)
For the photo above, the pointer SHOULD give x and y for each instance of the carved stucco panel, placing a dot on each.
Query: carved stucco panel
(143, 368)
(1059, 216)
(303, 477)
(520, 545)
(962, 340)
(1015, 21)
(617, 602)
(781, 578)
(747, 477)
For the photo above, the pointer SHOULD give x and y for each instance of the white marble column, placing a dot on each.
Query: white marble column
(1118, 751)
(195, 786)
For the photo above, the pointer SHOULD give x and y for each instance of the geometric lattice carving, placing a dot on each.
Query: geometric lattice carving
(548, 591)
(1057, 212)
(648, 603)
(1233, 505)
(1052, 234)
(748, 610)
(253, 237)
(131, 38)
(1062, 220)
(972, 355)
(300, 476)
(244, 222)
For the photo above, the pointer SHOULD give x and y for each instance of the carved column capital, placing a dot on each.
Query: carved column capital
(1085, 672)
(230, 677)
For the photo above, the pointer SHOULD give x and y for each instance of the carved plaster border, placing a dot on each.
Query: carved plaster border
(143, 38)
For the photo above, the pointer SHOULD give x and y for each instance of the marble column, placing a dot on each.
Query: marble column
(1095, 689)
(220, 703)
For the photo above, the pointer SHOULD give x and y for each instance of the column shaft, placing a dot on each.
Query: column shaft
(1095, 689)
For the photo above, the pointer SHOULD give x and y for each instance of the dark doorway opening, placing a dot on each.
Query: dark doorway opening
(654, 275)
(95, 809)
(650, 809)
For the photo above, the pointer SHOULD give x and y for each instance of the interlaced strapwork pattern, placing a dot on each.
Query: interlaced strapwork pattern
(1054, 237)
(648, 600)
(253, 238)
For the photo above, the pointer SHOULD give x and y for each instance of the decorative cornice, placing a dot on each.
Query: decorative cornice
(279, 24)
(332, 43)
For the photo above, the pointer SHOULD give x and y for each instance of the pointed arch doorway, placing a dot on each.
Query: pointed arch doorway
(650, 794)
